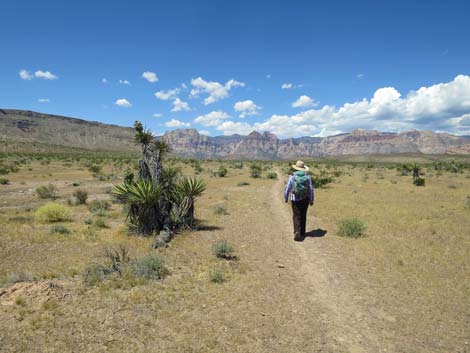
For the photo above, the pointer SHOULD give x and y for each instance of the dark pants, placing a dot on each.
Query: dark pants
(299, 216)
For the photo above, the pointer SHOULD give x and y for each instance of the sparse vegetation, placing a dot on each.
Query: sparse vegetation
(46, 191)
(150, 267)
(60, 229)
(222, 171)
(220, 209)
(97, 206)
(255, 171)
(223, 250)
(217, 276)
(52, 212)
(419, 181)
(243, 183)
(4, 181)
(81, 196)
(351, 227)
(271, 175)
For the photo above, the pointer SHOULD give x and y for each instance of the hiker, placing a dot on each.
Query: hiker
(300, 187)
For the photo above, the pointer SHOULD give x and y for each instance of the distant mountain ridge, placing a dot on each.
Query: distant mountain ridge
(25, 126)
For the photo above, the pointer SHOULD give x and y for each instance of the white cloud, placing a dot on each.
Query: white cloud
(246, 108)
(212, 119)
(304, 102)
(166, 95)
(215, 90)
(157, 115)
(125, 82)
(25, 75)
(176, 123)
(204, 132)
(104, 80)
(43, 100)
(179, 105)
(122, 102)
(150, 76)
(360, 76)
(230, 128)
(440, 107)
(45, 75)
(287, 86)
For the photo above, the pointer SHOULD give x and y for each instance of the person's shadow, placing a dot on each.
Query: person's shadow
(316, 233)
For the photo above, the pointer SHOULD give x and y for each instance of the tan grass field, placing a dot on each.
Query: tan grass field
(403, 287)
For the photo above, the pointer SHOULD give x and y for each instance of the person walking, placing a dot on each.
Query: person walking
(300, 187)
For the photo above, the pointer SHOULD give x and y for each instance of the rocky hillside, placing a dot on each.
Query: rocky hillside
(267, 146)
(29, 127)
(22, 126)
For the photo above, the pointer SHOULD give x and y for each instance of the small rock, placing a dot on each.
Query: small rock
(281, 266)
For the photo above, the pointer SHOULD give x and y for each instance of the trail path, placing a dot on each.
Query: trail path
(349, 326)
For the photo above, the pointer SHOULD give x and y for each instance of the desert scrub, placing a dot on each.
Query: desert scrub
(222, 172)
(255, 171)
(419, 182)
(4, 181)
(149, 267)
(271, 175)
(18, 277)
(46, 191)
(216, 276)
(243, 183)
(81, 196)
(59, 229)
(96, 206)
(351, 227)
(100, 223)
(223, 250)
(52, 212)
(220, 209)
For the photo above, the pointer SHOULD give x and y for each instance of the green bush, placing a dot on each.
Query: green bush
(217, 276)
(321, 181)
(100, 223)
(351, 227)
(4, 181)
(222, 172)
(271, 175)
(255, 171)
(150, 267)
(81, 196)
(96, 206)
(243, 183)
(52, 212)
(60, 229)
(223, 250)
(419, 182)
(220, 209)
(95, 169)
(46, 191)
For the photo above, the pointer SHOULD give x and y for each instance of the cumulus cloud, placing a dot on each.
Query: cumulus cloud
(231, 127)
(179, 105)
(125, 82)
(215, 90)
(166, 95)
(214, 118)
(176, 123)
(46, 75)
(246, 108)
(122, 102)
(304, 102)
(25, 75)
(150, 76)
(289, 85)
(440, 107)
(204, 132)
(43, 100)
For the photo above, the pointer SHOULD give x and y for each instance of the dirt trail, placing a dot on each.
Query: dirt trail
(348, 323)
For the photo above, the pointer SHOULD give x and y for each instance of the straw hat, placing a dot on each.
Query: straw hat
(300, 166)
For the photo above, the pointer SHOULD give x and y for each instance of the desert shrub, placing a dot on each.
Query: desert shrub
(321, 181)
(96, 206)
(4, 181)
(88, 221)
(255, 171)
(100, 223)
(220, 209)
(18, 277)
(94, 168)
(76, 183)
(223, 250)
(52, 212)
(271, 175)
(419, 182)
(243, 183)
(46, 191)
(351, 227)
(60, 229)
(237, 165)
(216, 276)
(128, 176)
(81, 196)
(117, 257)
(4, 170)
(96, 274)
(150, 267)
(222, 171)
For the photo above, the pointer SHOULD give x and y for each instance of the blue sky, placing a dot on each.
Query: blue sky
(291, 67)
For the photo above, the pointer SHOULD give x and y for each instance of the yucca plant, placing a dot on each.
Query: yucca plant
(184, 197)
(143, 198)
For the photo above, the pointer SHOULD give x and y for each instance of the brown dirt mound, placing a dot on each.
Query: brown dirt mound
(34, 293)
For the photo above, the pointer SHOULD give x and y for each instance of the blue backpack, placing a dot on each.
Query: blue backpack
(300, 185)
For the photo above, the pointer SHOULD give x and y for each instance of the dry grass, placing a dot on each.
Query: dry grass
(401, 287)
